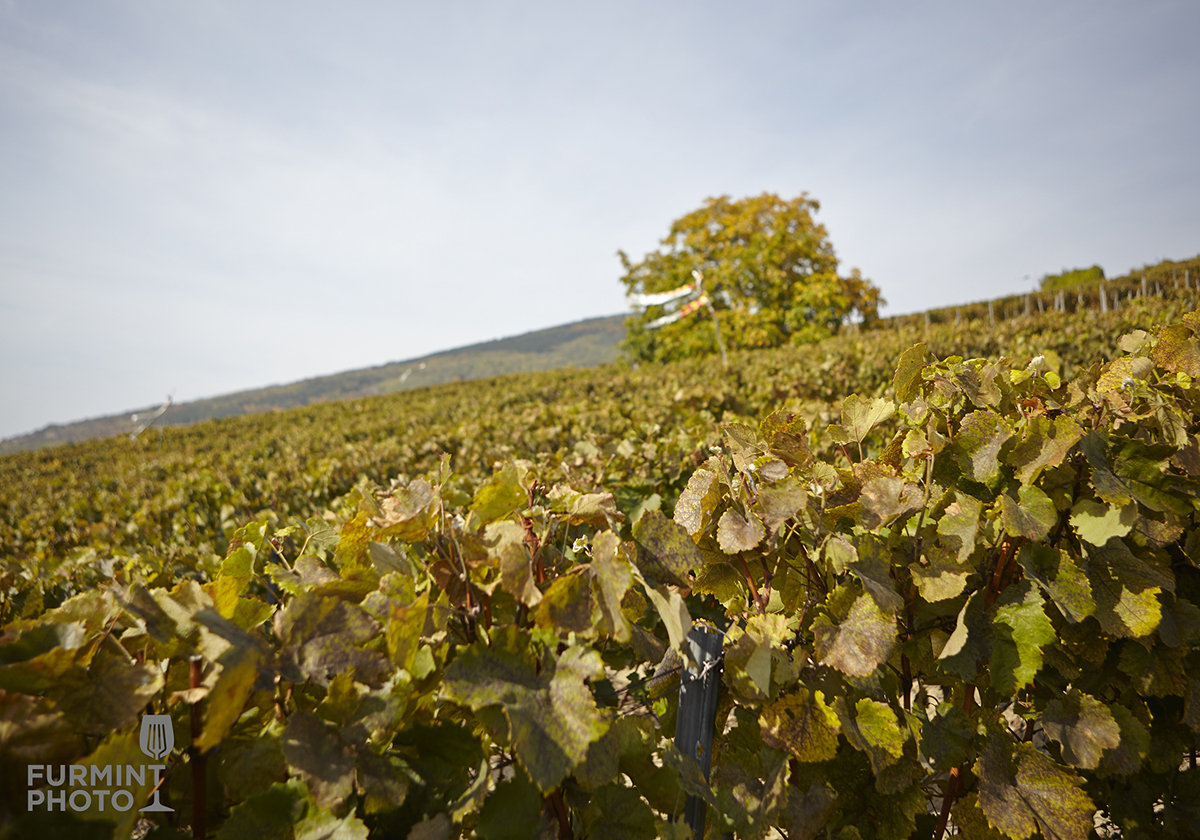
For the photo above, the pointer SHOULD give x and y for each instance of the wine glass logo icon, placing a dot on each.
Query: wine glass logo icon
(157, 739)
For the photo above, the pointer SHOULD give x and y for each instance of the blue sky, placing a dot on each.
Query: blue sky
(208, 196)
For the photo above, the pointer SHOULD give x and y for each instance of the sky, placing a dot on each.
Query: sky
(202, 197)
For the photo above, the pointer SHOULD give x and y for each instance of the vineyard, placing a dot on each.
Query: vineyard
(953, 564)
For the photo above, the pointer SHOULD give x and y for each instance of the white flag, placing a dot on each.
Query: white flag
(659, 298)
(683, 311)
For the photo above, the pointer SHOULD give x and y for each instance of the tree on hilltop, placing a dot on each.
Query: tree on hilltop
(768, 272)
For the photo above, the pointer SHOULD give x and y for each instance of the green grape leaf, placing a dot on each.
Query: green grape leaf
(802, 725)
(316, 754)
(674, 613)
(1040, 796)
(807, 812)
(945, 577)
(1132, 471)
(1044, 444)
(109, 695)
(619, 813)
(322, 825)
(907, 381)
(977, 444)
(666, 551)
(552, 714)
(1020, 629)
(970, 641)
(1062, 578)
(979, 384)
(779, 502)
(959, 524)
(1032, 517)
(862, 414)
(786, 436)
(1083, 726)
(596, 509)
(1097, 523)
(505, 542)
(501, 495)
(119, 748)
(698, 502)
(513, 811)
(971, 822)
(321, 534)
(1157, 672)
(269, 815)
(859, 643)
(1126, 758)
(735, 534)
(612, 577)
(407, 514)
(874, 730)
(404, 628)
(1126, 590)
(250, 766)
(567, 606)
(1114, 374)
(323, 636)
(691, 775)
(873, 566)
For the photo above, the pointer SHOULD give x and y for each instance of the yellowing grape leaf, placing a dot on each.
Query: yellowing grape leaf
(802, 725)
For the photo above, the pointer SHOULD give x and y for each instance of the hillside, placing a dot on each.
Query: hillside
(582, 344)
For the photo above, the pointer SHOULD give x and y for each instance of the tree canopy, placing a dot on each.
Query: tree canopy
(769, 273)
(1069, 278)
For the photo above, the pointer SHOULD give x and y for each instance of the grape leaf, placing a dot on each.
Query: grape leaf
(735, 534)
(1057, 573)
(777, 503)
(907, 381)
(1177, 349)
(1040, 795)
(269, 815)
(1083, 726)
(977, 444)
(552, 714)
(970, 641)
(1032, 517)
(1126, 758)
(1044, 444)
(945, 577)
(1126, 590)
(314, 751)
(513, 811)
(698, 501)
(873, 566)
(612, 577)
(666, 551)
(1097, 523)
(959, 524)
(1020, 629)
(786, 436)
(860, 642)
(885, 498)
(862, 414)
(802, 725)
